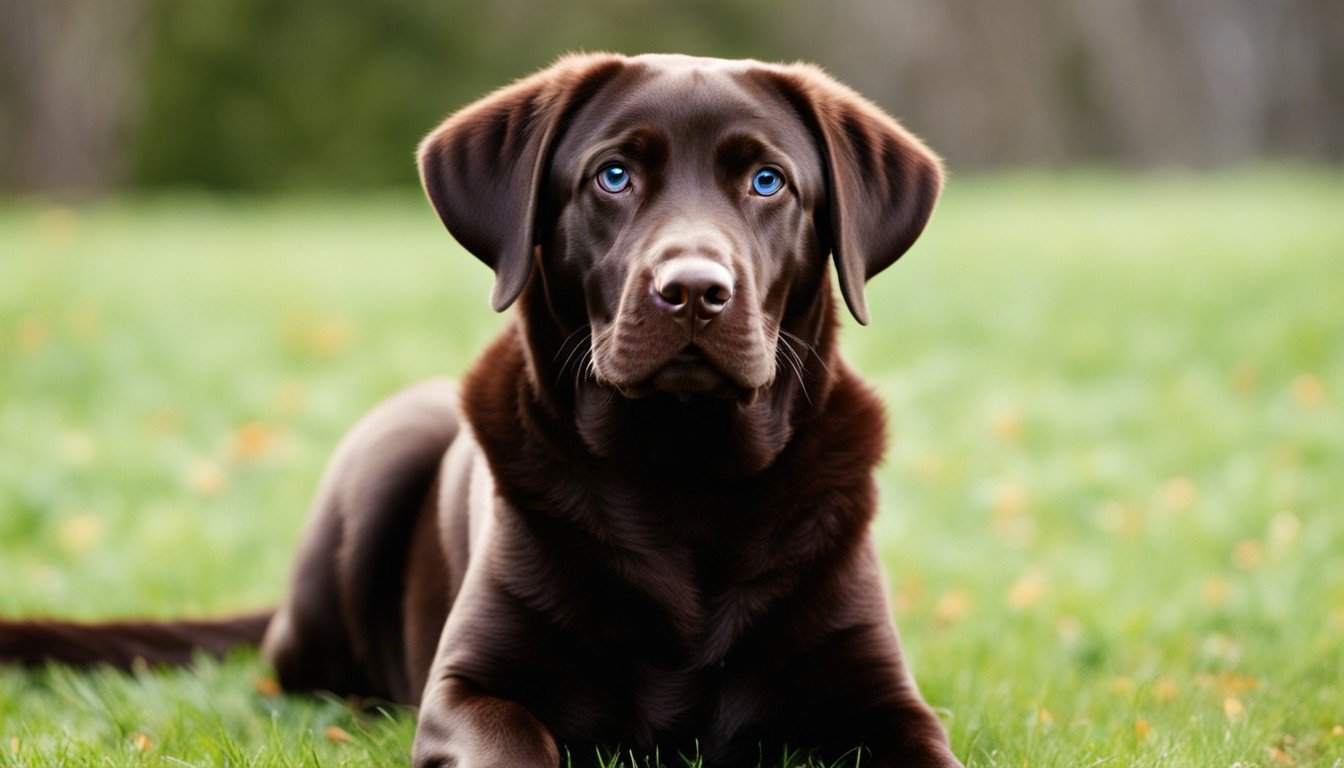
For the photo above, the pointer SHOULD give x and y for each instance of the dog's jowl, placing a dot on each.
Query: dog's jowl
(642, 520)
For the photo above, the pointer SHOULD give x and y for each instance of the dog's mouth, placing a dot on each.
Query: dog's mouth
(688, 374)
(638, 359)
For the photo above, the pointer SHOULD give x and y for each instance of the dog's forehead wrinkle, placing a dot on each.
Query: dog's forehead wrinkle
(681, 99)
(637, 142)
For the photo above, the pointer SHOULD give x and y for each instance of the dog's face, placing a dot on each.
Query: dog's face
(680, 209)
(685, 206)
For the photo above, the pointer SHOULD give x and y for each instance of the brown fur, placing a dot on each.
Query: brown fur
(638, 533)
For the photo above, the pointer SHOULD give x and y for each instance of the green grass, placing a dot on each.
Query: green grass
(1113, 508)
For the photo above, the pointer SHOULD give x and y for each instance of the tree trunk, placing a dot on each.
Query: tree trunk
(68, 91)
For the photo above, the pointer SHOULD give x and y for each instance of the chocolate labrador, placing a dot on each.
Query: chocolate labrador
(643, 519)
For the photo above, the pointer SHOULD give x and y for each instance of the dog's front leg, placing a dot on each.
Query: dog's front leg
(463, 727)
(904, 736)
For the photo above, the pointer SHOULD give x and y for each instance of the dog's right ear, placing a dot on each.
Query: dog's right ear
(882, 180)
(482, 168)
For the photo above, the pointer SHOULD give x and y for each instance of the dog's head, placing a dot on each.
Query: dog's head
(681, 209)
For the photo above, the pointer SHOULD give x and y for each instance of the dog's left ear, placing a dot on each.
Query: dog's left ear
(882, 181)
(482, 168)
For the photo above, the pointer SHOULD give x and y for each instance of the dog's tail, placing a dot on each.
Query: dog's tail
(124, 644)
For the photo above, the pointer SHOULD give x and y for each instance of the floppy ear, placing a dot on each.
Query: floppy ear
(482, 168)
(882, 180)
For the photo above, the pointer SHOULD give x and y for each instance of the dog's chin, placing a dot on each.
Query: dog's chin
(688, 376)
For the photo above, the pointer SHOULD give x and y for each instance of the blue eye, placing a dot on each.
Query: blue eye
(613, 178)
(767, 182)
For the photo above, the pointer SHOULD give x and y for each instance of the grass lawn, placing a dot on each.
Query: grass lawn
(1113, 508)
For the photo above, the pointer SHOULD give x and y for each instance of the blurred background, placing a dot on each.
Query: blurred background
(312, 94)
(1112, 508)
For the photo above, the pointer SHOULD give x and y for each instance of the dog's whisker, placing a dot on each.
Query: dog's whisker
(587, 327)
(585, 368)
(811, 349)
(577, 346)
(788, 362)
(583, 365)
(592, 365)
(792, 353)
(580, 334)
(800, 366)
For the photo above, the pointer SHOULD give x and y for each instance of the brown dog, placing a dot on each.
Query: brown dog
(644, 520)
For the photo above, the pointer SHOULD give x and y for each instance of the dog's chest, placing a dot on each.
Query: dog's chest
(674, 625)
(691, 677)
(691, 708)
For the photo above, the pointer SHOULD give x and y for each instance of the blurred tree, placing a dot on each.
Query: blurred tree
(254, 94)
(1146, 82)
(68, 91)
(261, 95)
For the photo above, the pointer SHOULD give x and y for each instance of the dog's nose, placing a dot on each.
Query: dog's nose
(693, 290)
